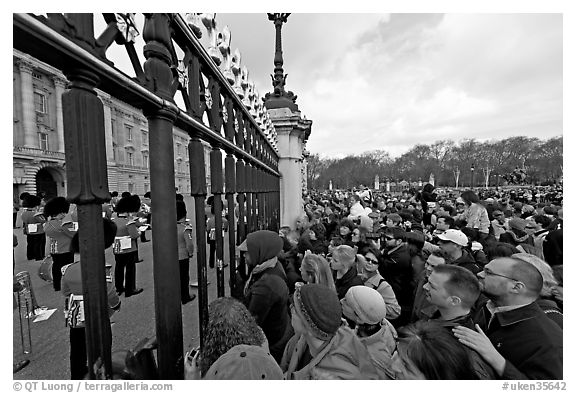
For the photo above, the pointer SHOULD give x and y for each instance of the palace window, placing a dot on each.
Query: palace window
(145, 160)
(43, 141)
(144, 138)
(128, 133)
(130, 158)
(40, 102)
(113, 129)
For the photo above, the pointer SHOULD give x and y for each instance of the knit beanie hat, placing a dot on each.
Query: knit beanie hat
(319, 308)
(364, 305)
(517, 223)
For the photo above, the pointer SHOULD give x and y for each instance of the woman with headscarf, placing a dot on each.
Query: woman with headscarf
(266, 292)
(323, 347)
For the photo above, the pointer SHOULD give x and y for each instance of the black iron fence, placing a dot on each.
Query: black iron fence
(213, 114)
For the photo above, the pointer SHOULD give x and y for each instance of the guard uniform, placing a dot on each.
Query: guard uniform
(126, 253)
(33, 227)
(60, 232)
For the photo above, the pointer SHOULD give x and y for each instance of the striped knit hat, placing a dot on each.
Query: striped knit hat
(319, 308)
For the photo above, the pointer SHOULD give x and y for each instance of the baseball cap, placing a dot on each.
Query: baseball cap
(454, 236)
(245, 362)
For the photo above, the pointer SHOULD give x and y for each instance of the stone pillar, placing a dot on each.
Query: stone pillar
(59, 85)
(28, 112)
(108, 127)
(292, 132)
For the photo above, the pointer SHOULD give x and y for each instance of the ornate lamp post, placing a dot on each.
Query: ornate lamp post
(279, 98)
(472, 176)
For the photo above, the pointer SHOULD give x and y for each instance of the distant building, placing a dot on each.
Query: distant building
(38, 136)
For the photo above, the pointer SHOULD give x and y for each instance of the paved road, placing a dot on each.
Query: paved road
(50, 341)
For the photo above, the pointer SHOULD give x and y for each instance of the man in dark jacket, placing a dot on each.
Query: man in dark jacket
(453, 242)
(396, 267)
(266, 293)
(512, 333)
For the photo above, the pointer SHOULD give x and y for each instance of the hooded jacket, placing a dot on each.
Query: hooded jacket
(266, 295)
(343, 357)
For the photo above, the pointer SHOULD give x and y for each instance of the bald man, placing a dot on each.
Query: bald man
(520, 342)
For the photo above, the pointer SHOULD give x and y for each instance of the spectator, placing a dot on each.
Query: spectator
(393, 220)
(520, 342)
(423, 309)
(426, 350)
(553, 245)
(537, 228)
(316, 270)
(245, 362)
(516, 235)
(546, 301)
(454, 290)
(368, 270)
(500, 249)
(367, 309)
(266, 292)
(475, 215)
(498, 224)
(322, 347)
(396, 268)
(314, 240)
(343, 263)
(454, 242)
(229, 324)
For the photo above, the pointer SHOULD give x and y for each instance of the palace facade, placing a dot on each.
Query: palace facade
(38, 137)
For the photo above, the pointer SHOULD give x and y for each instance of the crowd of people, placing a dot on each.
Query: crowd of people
(422, 285)
(426, 284)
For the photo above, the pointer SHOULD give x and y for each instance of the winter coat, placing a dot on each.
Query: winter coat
(476, 217)
(343, 357)
(349, 279)
(467, 261)
(530, 342)
(378, 283)
(267, 299)
(396, 268)
(381, 346)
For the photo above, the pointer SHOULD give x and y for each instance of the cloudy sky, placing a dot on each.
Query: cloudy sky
(389, 81)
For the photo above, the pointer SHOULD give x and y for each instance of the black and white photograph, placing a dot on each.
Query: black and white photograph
(323, 194)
